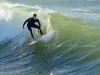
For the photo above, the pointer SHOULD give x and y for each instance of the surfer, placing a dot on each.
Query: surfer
(31, 23)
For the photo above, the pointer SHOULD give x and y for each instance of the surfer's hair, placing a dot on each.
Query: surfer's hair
(34, 15)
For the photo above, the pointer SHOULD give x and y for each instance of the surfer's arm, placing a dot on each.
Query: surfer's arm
(25, 22)
(39, 23)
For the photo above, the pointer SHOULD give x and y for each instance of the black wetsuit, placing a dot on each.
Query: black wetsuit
(31, 23)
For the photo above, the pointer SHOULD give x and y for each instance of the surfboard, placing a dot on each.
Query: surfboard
(40, 37)
(33, 42)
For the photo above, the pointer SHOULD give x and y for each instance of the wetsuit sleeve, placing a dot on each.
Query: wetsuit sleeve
(39, 23)
(26, 21)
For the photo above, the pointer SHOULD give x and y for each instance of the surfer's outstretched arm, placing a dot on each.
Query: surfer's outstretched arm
(25, 22)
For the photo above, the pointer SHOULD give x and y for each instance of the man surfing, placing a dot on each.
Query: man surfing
(31, 23)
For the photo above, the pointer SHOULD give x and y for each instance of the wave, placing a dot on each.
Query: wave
(71, 46)
(12, 17)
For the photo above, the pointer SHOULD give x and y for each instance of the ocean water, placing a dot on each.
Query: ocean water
(70, 47)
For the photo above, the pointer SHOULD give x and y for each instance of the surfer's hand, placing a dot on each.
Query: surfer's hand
(23, 27)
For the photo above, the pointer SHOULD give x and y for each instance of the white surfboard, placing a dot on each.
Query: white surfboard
(33, 42)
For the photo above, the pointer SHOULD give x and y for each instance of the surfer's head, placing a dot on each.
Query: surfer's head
(35, 16)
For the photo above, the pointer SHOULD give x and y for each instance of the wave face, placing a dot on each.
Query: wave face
(70, 48)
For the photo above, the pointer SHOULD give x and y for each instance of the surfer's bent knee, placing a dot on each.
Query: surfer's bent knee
(39, 27)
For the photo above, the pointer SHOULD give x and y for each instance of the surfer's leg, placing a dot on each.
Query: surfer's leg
(38, 27)
(29, 28)
(41, 31)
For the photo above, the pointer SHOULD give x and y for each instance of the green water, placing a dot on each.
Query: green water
(71, 47)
